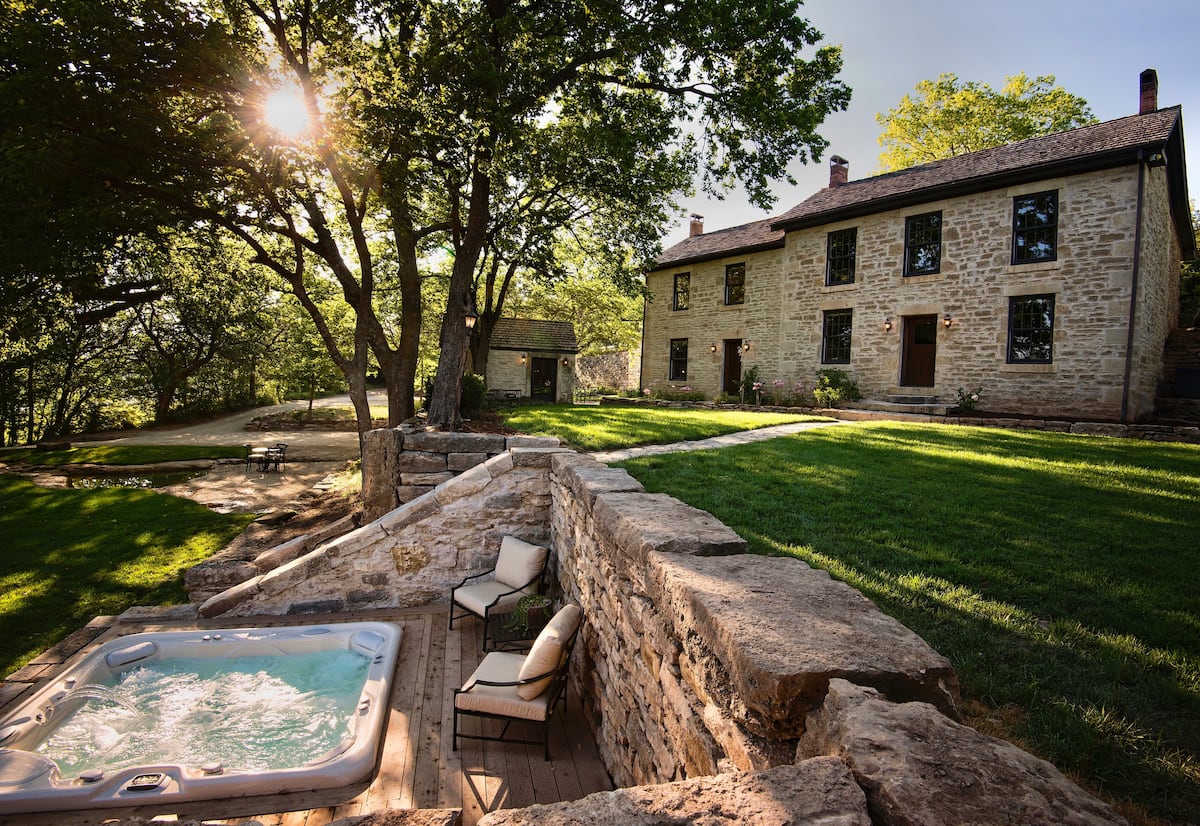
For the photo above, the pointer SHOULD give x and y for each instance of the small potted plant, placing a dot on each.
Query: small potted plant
(529, 616)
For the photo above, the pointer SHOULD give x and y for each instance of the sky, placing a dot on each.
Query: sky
(1095, 49)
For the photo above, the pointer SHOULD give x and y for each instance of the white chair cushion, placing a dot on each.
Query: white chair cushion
(476, 598)
(519, 562)
(548, 651)
(503, 700)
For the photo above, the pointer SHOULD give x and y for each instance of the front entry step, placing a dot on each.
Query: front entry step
(889, 405)
(908, 399)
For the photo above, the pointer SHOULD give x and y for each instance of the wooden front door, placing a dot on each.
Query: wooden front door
(543, 380)
(920, 351)
(731, 376)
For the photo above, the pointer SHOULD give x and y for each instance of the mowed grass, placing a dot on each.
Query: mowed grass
(608, 427)
(118, 454)
(71, 555)
(1057, 573)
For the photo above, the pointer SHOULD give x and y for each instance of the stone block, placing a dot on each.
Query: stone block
(408, 493)
(425, 479)
(420, 461)
(588, 478)
(532, 441)
(437, 442)
(355, 541)
(419, 508)
(637, 524)
(381, 452)
(464, 461)
(317, 606)
(535, 456)
(815, 791)
(1099, 429)
(766, 635)
(226, 600)
(274, 557)
(918, 766)
(468, 483)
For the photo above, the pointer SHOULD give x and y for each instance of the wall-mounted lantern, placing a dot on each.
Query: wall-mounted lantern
(947, 320)
(887, 324)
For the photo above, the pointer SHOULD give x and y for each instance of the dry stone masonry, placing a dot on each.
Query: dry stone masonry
(723, 687)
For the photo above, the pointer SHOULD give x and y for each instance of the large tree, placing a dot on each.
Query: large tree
(948, 117)
(481, 128)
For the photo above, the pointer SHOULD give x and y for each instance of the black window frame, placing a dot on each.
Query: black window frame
(1026, 231)
(676, 363)
(685, 294)
(841, 250)
(1019, 325)
(735, 284)
(919, 237)
(829, 318)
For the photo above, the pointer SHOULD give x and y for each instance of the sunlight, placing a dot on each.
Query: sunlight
(285, 111)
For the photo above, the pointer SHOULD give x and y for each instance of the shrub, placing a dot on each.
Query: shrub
(474, 390)
(834, 386)
(749, 379)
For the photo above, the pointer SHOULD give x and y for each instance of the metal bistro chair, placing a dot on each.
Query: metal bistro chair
(519, 570)
(518, 688)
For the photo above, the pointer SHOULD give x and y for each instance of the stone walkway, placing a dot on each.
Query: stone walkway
(728, 440)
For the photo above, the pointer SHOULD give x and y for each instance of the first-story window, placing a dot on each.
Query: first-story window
(735, 284)
(835, 336)
(1031, 329)
(683, 288)
(677, 370)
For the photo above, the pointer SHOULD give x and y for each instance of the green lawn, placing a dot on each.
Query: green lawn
(71, 555)
(118, 454)
(609, 427)
(1058, 574)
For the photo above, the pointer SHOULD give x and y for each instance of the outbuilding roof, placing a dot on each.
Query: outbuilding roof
(534, 334)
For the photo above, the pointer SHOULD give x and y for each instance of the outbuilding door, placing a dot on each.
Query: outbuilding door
(543, 380)
(920, 351)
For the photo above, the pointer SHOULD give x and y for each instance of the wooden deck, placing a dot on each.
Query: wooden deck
(419, 768)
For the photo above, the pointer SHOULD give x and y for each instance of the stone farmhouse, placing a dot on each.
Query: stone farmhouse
(1044, 272)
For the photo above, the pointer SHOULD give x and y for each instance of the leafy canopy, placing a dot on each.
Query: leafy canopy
(949, 117)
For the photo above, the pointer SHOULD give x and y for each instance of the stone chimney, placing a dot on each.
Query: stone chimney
(697, 227)
(1149, 98)
(839, 171)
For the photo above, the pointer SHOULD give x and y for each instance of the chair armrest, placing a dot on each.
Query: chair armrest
(471, 577)
(510, 683)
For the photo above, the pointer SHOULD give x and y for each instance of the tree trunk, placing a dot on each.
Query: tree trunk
(481, 343)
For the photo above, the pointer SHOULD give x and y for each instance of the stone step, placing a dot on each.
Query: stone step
(926, 409)
(909, 398)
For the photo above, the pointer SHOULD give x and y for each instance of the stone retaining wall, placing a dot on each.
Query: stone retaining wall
(403, 463)
(696, 659)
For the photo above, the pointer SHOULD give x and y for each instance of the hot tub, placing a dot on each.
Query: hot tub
(165, 722)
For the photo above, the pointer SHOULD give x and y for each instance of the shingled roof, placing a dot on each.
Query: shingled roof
(722, 242)
(1088, 148)
(533, 334)
(1098, 146)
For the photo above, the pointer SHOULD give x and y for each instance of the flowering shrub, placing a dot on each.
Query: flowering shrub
(672, 393)
(968, 399)
(833, 386)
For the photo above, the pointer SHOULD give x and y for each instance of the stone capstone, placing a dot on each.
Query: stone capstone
(638, 524)
(819, 791)
(434, 441)
(588, 478)
(765, 635)
(919, 767)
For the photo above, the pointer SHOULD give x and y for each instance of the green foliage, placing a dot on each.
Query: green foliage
(671, 393)
(1046, 567)
(1189, 286)
(120, 454)
(834, 386)
(749, 380)
(949, 117)
(474, 391)
(71, 555)
(608, 428)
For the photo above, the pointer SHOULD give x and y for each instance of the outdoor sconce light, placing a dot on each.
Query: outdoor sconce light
(712, 348)
(746, 346)
(566, 361)
(522, 358)
(947, 321)
(887, 324)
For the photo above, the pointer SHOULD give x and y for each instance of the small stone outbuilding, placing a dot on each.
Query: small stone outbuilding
(532, 359)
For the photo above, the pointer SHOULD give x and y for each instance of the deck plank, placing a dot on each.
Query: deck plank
(440, 739)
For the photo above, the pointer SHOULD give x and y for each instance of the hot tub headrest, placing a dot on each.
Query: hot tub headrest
(131, 654)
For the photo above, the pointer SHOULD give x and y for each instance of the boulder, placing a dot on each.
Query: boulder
(819, 791)
(918, 767)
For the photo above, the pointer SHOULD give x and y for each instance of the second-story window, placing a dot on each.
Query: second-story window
(923, 244)
(683, 288)
(840, 251)
(1035, 227)
(735, 284)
